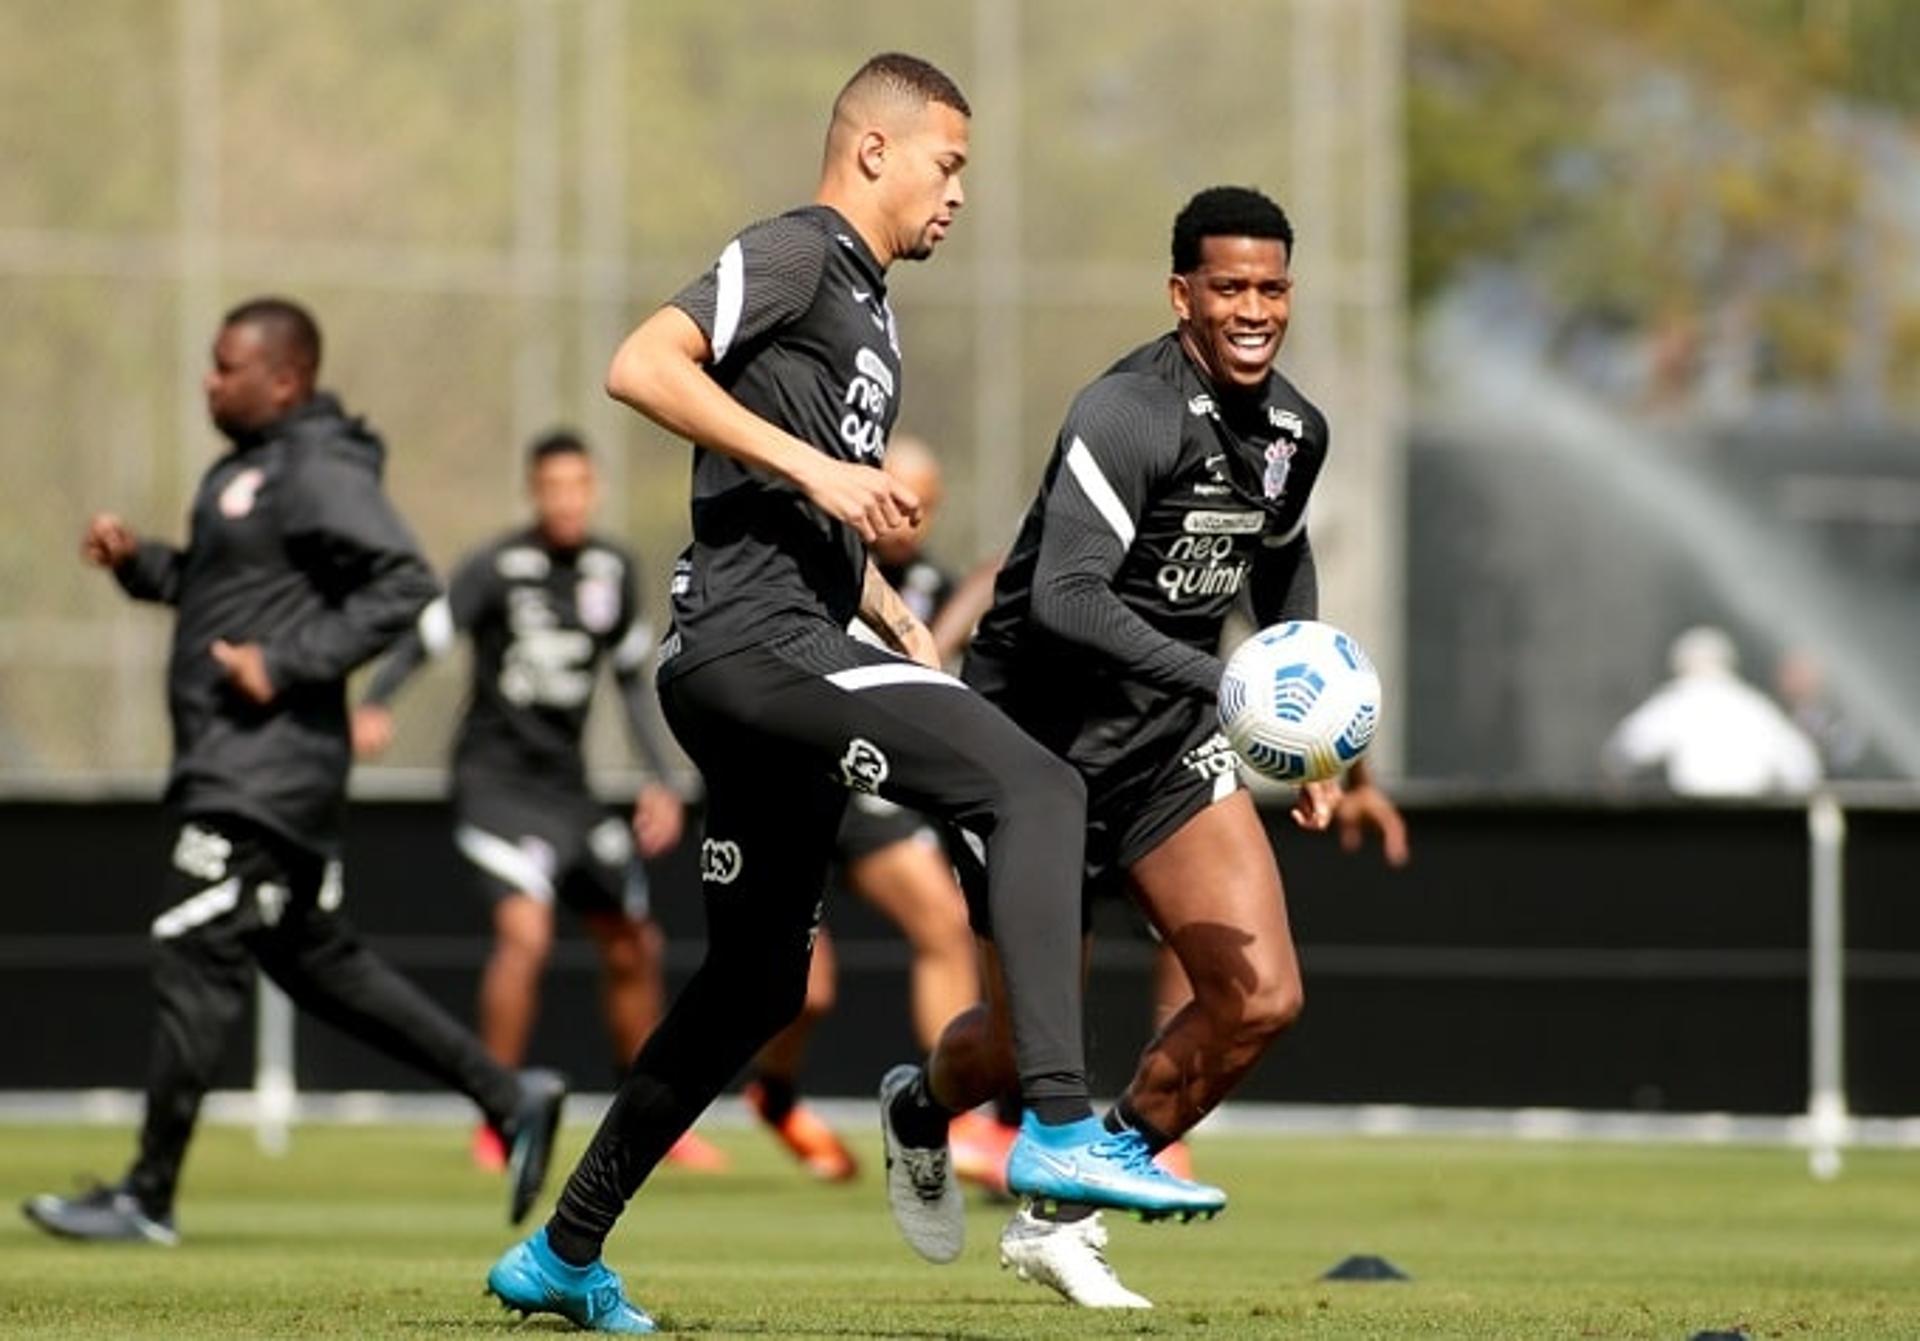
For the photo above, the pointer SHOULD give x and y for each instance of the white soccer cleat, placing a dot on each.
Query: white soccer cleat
(1070, 1259)
(921, 1189)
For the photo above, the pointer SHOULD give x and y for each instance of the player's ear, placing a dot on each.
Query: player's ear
(872, 153)
(1180, 294)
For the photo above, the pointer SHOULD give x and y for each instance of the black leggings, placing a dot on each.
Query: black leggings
(783, 732)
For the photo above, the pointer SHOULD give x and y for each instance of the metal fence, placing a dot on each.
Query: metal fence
(479, 198)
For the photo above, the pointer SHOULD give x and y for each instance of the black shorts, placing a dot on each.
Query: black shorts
(556, 847)
(873, 824)
(1132, 809)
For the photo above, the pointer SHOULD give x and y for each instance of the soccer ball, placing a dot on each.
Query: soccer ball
(1299, 701)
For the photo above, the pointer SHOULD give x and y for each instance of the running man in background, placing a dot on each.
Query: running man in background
(545, 606)
(782, 366)
(895, 859)
(1179, 482)
(296, 570)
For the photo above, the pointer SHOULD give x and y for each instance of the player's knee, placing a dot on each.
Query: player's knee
(1045, 788)
(627, 954)
(1270, 1010)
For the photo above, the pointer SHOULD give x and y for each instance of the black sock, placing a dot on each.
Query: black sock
(1007, 1108)
(1058, 1110)
(1060, 1212)
(1123, 1116)
(777, 1097)
(919, 1119)
(571, 1248)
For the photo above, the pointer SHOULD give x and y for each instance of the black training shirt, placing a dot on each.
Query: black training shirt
(796, 313)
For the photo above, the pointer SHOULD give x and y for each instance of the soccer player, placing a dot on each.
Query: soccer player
(1179, 482)
(782, 366)
(545, 606)
(296, 570)
(896, 860)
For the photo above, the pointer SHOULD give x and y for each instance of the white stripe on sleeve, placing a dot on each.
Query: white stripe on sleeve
(729, 299)
(436, 627)
(1094, 484)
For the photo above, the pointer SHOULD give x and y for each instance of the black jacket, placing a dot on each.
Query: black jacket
(293, 546)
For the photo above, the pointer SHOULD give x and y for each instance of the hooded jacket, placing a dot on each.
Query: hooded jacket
(293, 545)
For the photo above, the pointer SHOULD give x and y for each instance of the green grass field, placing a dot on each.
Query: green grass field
(386, 1232)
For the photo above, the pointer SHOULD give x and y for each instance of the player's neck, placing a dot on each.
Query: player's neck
(864, 222)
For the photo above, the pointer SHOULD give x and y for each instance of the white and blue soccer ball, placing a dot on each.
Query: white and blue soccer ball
(1300, 701)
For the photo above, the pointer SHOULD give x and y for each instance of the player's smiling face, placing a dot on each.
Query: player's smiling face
(924, 191)
(1233, 308)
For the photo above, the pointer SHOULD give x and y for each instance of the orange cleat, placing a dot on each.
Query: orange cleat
(488, 1150)
(807, 1135)
(697, 1154)
(980, 1145)
(1177, 1160)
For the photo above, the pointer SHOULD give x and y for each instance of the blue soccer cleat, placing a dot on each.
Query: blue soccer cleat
(1083, 1162)
(529, 1278)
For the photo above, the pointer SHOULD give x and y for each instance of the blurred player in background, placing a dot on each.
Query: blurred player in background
(1179, 482)
(545, 607)
(782, 366)
(296, 570)
(895, 859)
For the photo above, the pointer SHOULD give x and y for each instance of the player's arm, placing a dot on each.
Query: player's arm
(659, 814)
(1284, 583)
(766, 279)
(432, 636)
(960, 614)
(882, 610)
(146, 570)
(1112, 454)
(345, 534)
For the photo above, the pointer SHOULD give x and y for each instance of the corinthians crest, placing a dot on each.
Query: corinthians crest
(1279, 465)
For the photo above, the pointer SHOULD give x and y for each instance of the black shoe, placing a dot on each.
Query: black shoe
(102, 1214)
(530, 1138)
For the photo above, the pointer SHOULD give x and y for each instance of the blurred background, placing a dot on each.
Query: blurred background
(1614, 306)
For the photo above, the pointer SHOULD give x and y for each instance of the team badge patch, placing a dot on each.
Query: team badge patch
(237, 499)
(863, 767)
(598, 601)
(1279, 466)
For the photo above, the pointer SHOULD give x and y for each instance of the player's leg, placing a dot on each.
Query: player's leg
(201, 977)
(764, 859)
(313, 953)
(510, 981)
(774, 1091)
(1213, 892)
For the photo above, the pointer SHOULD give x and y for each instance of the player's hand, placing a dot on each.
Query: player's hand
(246, 668)
(864, 497)
(107, 542)
(1365, 807)
(658, 818)
(1314, 806)
(372, 731)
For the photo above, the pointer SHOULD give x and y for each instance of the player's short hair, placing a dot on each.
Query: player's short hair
(290, 329)
(906, 76)
(556, 442)
(1226, 211)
